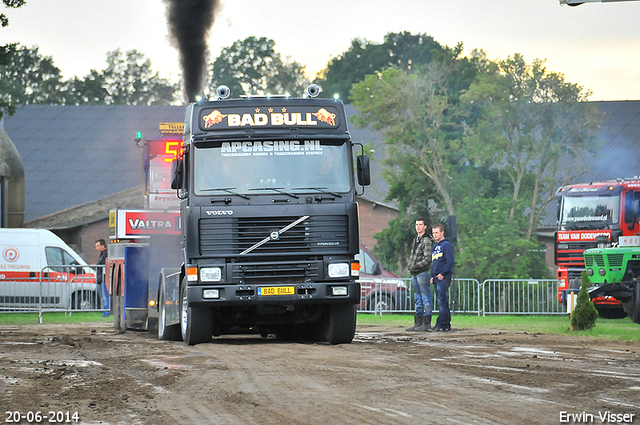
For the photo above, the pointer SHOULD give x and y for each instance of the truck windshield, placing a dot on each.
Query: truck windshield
(257, 167)
(589, 212)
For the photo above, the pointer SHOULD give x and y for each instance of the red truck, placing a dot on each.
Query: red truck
(589, 215)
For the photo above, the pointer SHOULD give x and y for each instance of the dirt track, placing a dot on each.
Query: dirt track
(386, 376)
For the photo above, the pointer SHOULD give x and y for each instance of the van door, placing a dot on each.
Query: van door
(72, 284)
(54, 289)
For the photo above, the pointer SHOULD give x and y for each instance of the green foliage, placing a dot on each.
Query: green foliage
(491, 152)
(584, 314)
(6, 52)
(419, 120)
(4, 21)
(29, 78)
(129, 80)
(252, 66)
(402, 50)
(396, 241)
(533, 126)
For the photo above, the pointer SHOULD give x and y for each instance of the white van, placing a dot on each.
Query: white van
(38, 269)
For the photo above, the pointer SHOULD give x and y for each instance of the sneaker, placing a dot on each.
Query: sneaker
(442, 329)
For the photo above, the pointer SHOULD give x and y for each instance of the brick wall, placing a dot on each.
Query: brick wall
(89, 234)
(373, 219)
(83, 239)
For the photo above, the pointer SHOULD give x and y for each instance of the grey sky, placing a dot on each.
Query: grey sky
(594, 45)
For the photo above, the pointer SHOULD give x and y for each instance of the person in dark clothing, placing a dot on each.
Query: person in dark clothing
(419, 262)
(101, 247)
(441, 276)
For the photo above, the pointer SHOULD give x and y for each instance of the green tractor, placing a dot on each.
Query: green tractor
(615, 272)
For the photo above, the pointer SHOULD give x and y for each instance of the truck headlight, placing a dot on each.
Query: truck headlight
(211, 274)
(602, 272)
(590, 272)
(339, 270)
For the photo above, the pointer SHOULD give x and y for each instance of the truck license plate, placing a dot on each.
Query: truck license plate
(277, 290)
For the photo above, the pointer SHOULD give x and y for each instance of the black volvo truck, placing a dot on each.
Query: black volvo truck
(269, 221)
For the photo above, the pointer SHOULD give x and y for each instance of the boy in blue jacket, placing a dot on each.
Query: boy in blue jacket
(441, 275)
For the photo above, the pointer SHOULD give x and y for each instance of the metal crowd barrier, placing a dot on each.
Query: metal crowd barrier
(389, 295)
(65, 288)
(70, 288)
(493, 296)
(392, 295)
(521, 296)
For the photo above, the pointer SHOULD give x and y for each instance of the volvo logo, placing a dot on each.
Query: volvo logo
(275, 235)
(220, 212)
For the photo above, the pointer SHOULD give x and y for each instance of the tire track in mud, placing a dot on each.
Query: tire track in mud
(386, 376)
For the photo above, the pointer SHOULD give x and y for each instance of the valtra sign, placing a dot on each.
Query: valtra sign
(145, 223)
(125, 224)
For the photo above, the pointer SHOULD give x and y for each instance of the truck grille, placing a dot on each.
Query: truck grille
(615, 260)
(317, 235)
(281, 273)
(573, 259)
(594, 260)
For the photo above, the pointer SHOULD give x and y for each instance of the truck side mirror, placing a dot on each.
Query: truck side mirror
(364, 173)
(177, 168)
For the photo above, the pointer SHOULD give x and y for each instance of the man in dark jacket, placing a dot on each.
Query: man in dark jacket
(419, 262)
(101, 247)
(441, 276)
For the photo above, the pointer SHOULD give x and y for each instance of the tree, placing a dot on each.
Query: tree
(6, 51)
(533, 125)
(129, 80)
(87, 91)
(252, 66)
(584, 314)
(419, 119)
(402, 50)
(490, 153)
(29, 78)
(417, 109)
(9, 3)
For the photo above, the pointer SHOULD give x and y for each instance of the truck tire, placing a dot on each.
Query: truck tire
(341, 324)
(636, 306)
(166, 333)
(196, 322)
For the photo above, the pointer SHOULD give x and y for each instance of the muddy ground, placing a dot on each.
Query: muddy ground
(386, 376)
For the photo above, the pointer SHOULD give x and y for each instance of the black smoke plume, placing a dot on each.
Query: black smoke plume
(189, 24)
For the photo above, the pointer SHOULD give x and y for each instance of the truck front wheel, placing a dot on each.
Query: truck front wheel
(196, 322)
(341, 324)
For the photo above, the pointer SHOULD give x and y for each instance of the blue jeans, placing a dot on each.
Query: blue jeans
(442, 295)
(422, 293)
(104, 295)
